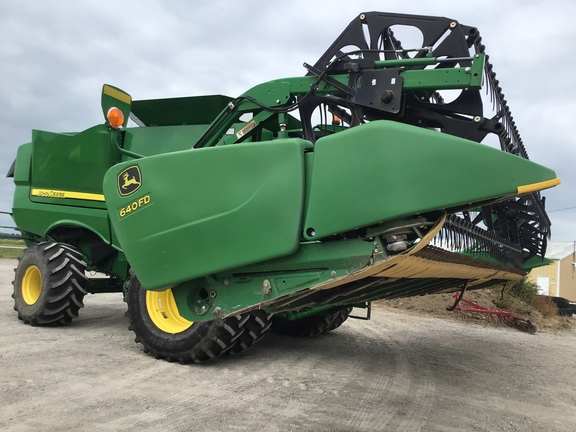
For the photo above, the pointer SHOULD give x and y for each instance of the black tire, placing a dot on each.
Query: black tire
(256, 327)
(312, 325)
(49, 284)
(340, 316)
(565, 312)
(560, 302)
(199, 342)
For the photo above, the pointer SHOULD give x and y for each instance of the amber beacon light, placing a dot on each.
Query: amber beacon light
(115, 117)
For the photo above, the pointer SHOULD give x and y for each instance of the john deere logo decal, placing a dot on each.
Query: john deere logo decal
(129, 180)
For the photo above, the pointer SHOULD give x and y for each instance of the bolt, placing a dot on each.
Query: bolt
(226, 281)
(387, 96)
(453, 24)
(376, 250)
(333, 274)
(277, 101)
(213, 294)
(362, 17)
(477, 119)
(467, 70)
(217, 312)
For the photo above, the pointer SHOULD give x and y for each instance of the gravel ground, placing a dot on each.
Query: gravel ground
(396, 372)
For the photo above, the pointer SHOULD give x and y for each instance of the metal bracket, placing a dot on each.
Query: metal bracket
(368, 307)
(378, 89)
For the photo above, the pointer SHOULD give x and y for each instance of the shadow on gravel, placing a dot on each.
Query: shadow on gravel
(444, 352)
(366, 346)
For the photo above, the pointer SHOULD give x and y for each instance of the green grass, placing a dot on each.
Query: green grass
(12, 242)
(9, 252)
(523, 290)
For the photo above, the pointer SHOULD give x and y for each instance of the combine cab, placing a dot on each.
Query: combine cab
(285, 207)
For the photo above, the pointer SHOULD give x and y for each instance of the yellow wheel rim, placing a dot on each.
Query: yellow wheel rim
(31, 285)
(163, 312)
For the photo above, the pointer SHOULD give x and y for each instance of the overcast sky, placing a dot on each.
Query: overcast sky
(55, 56)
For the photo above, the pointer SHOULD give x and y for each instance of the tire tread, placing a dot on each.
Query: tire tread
(202, 341)
(63, 281)
(257, 324)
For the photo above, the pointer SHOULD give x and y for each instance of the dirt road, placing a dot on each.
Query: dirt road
(395, 372)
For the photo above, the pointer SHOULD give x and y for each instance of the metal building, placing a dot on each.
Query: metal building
(559, 278)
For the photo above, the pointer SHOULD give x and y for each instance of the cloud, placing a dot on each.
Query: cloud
(56, 55)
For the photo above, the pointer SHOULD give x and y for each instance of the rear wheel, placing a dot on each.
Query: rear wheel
(49, 284)
(165, 334)
(256, 327)
(312, 325)
(341, 315)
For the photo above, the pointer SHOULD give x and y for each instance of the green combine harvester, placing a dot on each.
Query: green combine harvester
(221, 218)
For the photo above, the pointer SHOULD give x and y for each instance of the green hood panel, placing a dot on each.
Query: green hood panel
(385, 170)
(192, 213)
(71, 163)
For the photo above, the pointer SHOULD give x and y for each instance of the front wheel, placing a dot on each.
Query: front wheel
(49, 284)
(165, 334)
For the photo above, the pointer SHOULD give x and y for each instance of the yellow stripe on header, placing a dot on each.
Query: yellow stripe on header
(535, 187)
(50, 193)
(117, 94)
